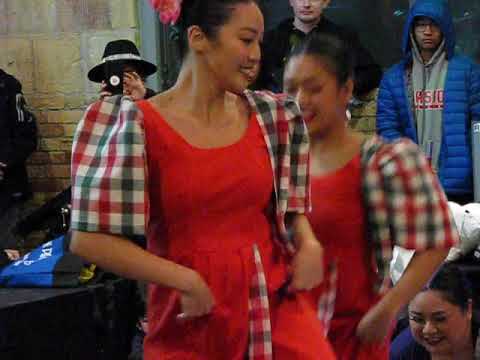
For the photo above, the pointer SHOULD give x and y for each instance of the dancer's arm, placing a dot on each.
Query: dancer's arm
(375, 325)
(121, 256)
(307, 264)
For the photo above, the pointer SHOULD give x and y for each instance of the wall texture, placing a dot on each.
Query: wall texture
(364, 116)
(50, 45)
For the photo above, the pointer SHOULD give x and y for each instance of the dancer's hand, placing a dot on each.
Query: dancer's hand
(197, 300)
(375, 324)
(307, 266)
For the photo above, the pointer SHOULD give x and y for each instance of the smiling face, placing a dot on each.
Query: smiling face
(440, 326)
(322, 99)
(233, 55)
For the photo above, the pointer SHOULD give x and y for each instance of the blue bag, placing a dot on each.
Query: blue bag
(49, 265)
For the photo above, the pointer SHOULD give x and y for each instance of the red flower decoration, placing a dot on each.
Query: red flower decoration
(168, 10)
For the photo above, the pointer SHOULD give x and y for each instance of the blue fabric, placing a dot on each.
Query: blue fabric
(461, 102)
(404, 347)
(48, 265)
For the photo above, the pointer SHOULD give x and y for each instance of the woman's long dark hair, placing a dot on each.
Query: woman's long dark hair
(453, 286)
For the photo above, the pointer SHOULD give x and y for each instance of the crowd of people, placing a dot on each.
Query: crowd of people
(262, 223)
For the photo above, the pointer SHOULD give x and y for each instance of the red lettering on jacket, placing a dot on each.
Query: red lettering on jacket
(428, 100)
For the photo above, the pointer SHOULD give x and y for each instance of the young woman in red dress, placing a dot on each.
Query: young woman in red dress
(213, 174)
(366, 196)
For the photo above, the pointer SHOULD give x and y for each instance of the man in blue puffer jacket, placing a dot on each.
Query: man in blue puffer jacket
(432, 96)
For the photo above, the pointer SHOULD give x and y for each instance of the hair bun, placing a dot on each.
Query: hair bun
(190, 9)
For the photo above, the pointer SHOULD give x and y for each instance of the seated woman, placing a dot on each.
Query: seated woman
(441, 321)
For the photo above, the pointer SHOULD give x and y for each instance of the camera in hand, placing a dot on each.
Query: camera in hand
(114, 77)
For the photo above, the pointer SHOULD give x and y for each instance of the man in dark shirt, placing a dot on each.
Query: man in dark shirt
(279, 42)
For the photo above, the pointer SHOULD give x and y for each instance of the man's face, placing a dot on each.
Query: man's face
(308, 11)
(427, 34)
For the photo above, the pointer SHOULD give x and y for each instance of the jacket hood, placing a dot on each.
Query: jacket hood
(438, 11)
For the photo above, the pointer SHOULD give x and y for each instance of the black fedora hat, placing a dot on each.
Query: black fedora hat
(121, 50)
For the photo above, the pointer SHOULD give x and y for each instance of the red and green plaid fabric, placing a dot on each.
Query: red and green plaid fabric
(405, 203)
(326, 300)
(288, 145)
(109, 177)
(260, 342)
(108, 170)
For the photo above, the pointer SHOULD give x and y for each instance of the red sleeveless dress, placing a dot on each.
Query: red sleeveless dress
(339, 222)
(208, 208)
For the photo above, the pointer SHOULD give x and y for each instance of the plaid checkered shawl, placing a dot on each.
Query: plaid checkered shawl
(108, 170)
(405, 203)
(109, 181)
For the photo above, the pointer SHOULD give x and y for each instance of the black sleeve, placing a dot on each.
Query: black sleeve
(23, 130)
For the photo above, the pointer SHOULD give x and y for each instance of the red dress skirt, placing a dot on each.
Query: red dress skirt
(207, 211)
(339, 222)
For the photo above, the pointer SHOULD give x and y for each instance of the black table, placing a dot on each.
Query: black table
(94, 322)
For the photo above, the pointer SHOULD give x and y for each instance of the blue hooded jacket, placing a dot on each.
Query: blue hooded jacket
(395, 116)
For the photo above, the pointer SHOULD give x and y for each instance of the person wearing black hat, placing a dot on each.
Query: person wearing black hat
(124, 55)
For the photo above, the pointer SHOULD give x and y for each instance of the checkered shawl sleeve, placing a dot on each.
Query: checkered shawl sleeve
(288, 144)
(405, 203)
(287, 141)
(109, 169)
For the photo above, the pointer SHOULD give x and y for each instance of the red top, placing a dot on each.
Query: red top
(339, 221)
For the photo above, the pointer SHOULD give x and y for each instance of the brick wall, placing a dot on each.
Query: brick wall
(50, 45)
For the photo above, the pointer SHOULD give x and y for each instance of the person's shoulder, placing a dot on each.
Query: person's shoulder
(271, 99)
(331, 25)
(400, 65)
(117, 106)
(404, 347)
(343, 31)
(277, 33)
(273, 106)
(166, 101)
(285, 25)
(10, 82)
(464, 61)
(381, 152)
(396, 70)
